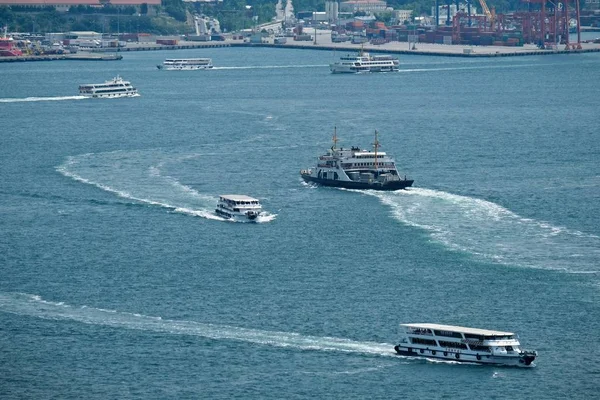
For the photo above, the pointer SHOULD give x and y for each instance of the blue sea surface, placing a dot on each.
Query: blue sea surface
(117, 280)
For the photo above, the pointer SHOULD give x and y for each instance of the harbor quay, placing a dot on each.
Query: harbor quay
(82, 56)
(324, 42)
(321, 41)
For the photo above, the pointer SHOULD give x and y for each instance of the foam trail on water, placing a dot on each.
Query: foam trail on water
(30, 99)
(139, 176)
(35, 306)
(474, 67)
(271, 67)
(493, 232)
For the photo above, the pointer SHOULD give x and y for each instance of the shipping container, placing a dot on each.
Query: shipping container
(168, 42)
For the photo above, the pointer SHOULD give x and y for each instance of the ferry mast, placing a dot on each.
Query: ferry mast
(335, 139)
(376, 146)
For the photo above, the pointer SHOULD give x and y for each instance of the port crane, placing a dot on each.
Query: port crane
(491, 15)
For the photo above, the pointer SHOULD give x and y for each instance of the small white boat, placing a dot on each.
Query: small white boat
(186, 64)
(238, 207)
(457, 343)
(116, 87)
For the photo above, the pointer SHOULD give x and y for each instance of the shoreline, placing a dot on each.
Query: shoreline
(423, 49)
(55, 57)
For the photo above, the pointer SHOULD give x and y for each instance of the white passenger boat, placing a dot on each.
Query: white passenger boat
(354, 168)
(462, 344)
(238, 207)
(365, 62)
(186, 64)
(116, 87)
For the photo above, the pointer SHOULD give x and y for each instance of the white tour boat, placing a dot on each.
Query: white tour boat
(462, 344)
(365, 62)
(186, 64)
(238, 207)
(116, 87)
(354, 168)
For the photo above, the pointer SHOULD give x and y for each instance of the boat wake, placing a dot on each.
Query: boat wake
(35, 306)
(493, 232)
(138, 176)
(272, 67)
(474, 67)
(265, 217)
(30, 99)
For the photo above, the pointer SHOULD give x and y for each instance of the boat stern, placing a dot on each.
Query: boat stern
(527, 357)
(252, 215)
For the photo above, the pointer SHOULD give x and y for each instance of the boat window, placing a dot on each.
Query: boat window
(421, 331)
(427, 342)
(498, 337)
(448, 334)
(475, 347)
(473, 336)
(454, 345)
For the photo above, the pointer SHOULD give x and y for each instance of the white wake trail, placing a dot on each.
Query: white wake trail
(31, 99)
(271, 67)
(35, 306)
(493, 232)
(139, 176)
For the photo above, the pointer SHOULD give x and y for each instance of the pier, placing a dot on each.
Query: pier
(76, 56)
(322, 43)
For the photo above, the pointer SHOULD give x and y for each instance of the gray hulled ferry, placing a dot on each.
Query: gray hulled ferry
(354, 168)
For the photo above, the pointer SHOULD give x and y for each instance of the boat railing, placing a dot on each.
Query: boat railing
(473, 341)
(379, 166)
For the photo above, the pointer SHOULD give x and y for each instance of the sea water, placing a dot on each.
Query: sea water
(119, 281)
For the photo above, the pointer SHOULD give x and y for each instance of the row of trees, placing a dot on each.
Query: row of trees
(173, 15)
(124, 20)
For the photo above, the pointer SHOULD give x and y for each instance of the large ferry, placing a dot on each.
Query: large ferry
(365, 62)
(186, 64)
(462, 344)
(238, 207)
(116, 87)
(354, 168)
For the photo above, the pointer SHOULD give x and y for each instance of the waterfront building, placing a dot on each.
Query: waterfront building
(402, 15)
(367, 6)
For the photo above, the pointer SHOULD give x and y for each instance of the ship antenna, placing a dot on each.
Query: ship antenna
(335, 139)
(376, 146)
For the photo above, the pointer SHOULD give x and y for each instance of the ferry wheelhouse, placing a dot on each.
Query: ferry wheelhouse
(238, 207)
(365, 62)
(186, 64)
(462, 344)
(354, 168)
(116, 87)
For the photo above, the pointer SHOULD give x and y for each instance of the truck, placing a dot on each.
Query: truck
(340, 38)
(303, 38)
(168, 42)
(357, 39)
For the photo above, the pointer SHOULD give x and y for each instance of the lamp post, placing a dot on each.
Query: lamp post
(249, 14)
(315, 25)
